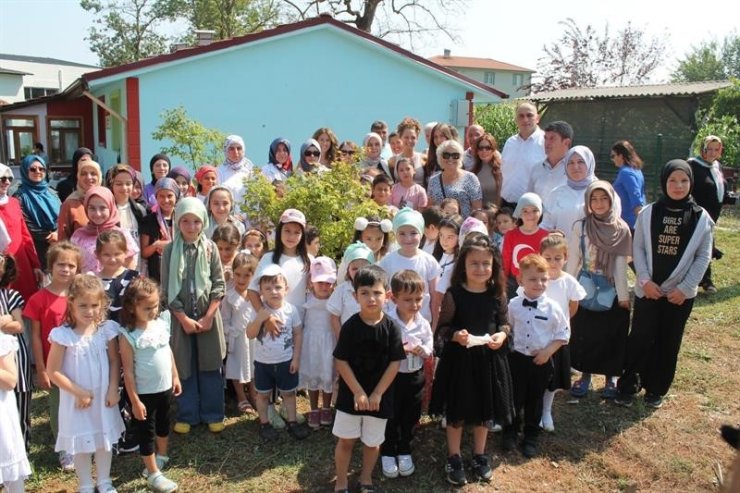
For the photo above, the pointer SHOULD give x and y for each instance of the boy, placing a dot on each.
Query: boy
(276, 355)
(407, 292)
(538, 327)
(367, 356)
(432, 217)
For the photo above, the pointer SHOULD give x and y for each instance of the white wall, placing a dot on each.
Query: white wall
(46, 75)
(11, 88)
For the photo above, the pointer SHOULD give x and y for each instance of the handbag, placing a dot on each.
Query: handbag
(600, 293)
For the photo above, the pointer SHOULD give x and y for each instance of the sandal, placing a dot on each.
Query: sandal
(580, 388)
(245, 407)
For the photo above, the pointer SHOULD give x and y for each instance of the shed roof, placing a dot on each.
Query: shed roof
(10, 71)
(474, 62)
(45, 60)
(629, 92)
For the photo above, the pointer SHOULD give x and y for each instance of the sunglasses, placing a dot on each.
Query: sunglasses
(8, 179)
(312, 153)
(485, 148)
(349, 152)
(36, 169)
(450, 155)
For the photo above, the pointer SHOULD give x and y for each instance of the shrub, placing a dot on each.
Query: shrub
(723, 120)
(498, 119)
(191, 141)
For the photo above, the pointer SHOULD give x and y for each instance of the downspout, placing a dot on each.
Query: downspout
(471, 115)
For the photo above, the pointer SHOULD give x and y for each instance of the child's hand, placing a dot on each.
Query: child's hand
(273, 326)
(652, 291)
(461, 337)
(176, 386)
(190, 326)
(374, 402)
(676, 296)
(497, 340)
(206, 323)
(84, 401)
(541, 357)
(160, 244)
(361, 402)
(295, 364)
(139, 410)
(113, 397)
(43, 381)
(418, 351)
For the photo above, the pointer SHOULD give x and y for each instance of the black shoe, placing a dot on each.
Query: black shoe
(529, 448)
(482, 467)
(297, 431)
(268, 433)
(653, 400)
(128, 443)
(509, 441)
(624, 400)
(455, 471)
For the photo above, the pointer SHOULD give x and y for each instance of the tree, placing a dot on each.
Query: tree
(498, 119)
(191, 141)
(230, 18)
(710, 61)
(126, 30)
(723, 120)
(395, 19)
(587, 58)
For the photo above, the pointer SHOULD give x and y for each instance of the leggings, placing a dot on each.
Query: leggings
(157, 420)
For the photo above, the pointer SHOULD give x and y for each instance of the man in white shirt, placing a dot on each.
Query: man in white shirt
(381, 128)
(473, 133)
(522, 152)
(550, 173)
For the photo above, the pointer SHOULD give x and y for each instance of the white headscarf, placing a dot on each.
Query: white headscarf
(5, 171)
(244, 162)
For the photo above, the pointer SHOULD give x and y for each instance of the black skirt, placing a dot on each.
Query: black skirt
(561, 369)
(598, 340)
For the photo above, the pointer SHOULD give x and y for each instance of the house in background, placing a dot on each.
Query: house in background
(41, 76)
(283, 82)
(504, 76)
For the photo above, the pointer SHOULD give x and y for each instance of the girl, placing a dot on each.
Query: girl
(673, 246)
(120, 180)
(373, 145)
(450, 206)
(445, 251)
(156, 228)
(406, 192)
(279, 164)
(316, 371)
(522, 240)
(564, 289)
(313, 240)
(192, 286)
(408, 130)
(111, 249)
(310, 160)
(137, 192)
(14, 465)
(255, 241)
(328, 145)
(600, 243)
(473, 382)
(220, 204)
(184, 180)
(150, 375)
(342, 303)
(226, 238)
(485, 217)
(45, 310)
(206, 179)
(72, 214)
(102, 216)
(348, 152)
(504, 222)
(159, 166)
(375, 233)
(84, 364)
(11, 322)
(237, 313)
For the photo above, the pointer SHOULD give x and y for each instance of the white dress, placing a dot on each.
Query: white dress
(342, 303)
(317, 362)
(13, 461)
(86, 364)
(237, 313)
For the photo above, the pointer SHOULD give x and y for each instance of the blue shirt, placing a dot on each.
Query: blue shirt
(630, 186)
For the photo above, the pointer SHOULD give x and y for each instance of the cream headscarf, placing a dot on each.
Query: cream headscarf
(189, 205)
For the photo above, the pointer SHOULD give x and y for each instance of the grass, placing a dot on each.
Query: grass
(597, 446)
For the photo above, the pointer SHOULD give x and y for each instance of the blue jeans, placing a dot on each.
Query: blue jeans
(202, 398)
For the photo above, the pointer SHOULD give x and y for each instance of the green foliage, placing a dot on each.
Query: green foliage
(331, 201)
(727, 101)
(723, 120)
(191, 141)
(498, 119)
(230, 18)
(710, 61)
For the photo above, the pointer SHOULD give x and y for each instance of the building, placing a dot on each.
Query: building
(39, 76)
(511, 79)
(287, 81)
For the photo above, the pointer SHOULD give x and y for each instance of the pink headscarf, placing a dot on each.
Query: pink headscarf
(113, 219)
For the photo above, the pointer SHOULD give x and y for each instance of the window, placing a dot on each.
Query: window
(20, 133)
(518, 80)
(38, 92)
(489, 78)
(65, 136)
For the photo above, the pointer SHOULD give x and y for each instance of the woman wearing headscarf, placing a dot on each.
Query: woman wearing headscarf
(66, 187)
(39, 203)
(72, 214)
(310, 160)
(21, 243)
(565, 205)
(600, 243)
(279, 163)
(235, 169)
(184, 180)
(373, 146)
(156, 229)
(159, 166)
(205, 179)
(673, 246)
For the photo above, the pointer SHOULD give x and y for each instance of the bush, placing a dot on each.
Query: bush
(723, 120)
(191, 141)
(331, 201)
(498, 119)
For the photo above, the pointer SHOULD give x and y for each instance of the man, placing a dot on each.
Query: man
(522, 152)
(473, 133)
(38, 149)
(381, 128)
(550, 173)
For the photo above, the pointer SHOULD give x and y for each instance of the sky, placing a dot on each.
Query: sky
(510, 32)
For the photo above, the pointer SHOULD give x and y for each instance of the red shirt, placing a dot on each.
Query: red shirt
(48, 309)
(518, 245)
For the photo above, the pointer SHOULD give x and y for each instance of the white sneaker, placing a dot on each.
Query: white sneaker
(443, 423)
(299, 417)
(276, 421)
(66, 461)
(390, 468)
(546, 423)
(493, 427)
(405, 465)
(161, 461)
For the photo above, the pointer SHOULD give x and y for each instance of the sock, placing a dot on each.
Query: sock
(102, 464)
(547, 400)
(16, 486)
(83, 469)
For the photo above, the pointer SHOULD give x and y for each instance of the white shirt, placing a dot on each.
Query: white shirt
(562, 291)
(533, 329)
(545, 178)
(447, 263)
(272, 173)
(279, 349)
(422, 263)
(518, 158)
(563, 207)
(342, 303)
(417, 332)
(386, 153)
(234, 181)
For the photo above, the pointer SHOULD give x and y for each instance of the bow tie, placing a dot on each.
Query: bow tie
(526, 303)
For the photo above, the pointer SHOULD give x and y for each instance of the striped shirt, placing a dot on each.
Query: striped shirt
(10, 299)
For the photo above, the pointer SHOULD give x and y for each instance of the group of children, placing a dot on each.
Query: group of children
(496, 314)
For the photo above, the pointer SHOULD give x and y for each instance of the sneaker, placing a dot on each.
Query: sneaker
(268, 433)
(624, 400)
(609, 391)
(161, 460)
(405, 465)
(182, 428)
(482, 467)
(106, 487)
(314, 419)
(709, 287)
(300, 418)
(529, 448)
(493, 427)
(158, 483)
(216, 427)
(66, 462)
(653, 400)
(389, 466)
(128, 443)
(580, 388)
(455, 471)
(298, 430)
(327, 417)
(443, 423)
(276, 420)
(546, 423)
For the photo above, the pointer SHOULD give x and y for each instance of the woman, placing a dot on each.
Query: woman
(454, 182)
(408, 130)
(348, 152)
(487, 167)
(72, 213)
(565, 205)
(159, 166)
(235, 169)
(21, 243)
(156, 229)
(629, 183)
(440, 133)
(66, 187)
(39, 204)
(120, 180)
(329, 145)
(310, 161)
(673, 246)
(373, 144)
(184, 180)
(279, 165)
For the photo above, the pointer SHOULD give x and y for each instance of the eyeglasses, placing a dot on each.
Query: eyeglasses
(349, 152)
(485, 148)
(312, 153)
(8, 179)
(450, 155)
(37, 169)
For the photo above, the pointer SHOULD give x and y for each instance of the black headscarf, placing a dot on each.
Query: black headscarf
(154, 159)
(687, 203)
(69, 184)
